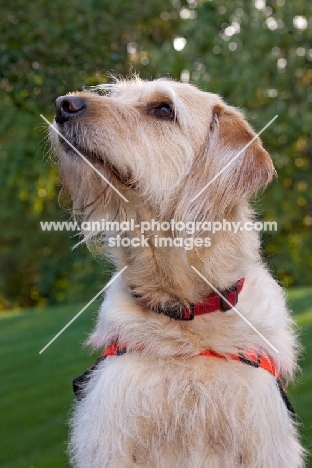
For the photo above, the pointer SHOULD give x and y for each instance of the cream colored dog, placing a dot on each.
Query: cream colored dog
(179, 385)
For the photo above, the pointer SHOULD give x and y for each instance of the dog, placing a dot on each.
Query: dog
(195, 341)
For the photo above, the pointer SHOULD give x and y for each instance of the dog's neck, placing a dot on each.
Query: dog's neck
(163, 277)
(215, 301)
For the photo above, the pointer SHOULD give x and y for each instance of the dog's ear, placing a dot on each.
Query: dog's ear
(231, 167)
(250, 162)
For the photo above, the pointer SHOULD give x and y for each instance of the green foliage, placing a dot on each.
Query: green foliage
(37, 267)
(256, 55)
(36, 391)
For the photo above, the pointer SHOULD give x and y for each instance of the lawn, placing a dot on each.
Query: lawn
(36, 393)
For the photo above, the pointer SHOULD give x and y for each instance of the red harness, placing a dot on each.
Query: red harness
(251, 358)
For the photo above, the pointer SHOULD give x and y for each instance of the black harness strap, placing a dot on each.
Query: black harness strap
(80, 382)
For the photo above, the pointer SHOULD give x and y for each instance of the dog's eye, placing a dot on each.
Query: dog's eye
(163, 111)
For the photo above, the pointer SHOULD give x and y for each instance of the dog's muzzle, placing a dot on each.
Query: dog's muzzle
(67, 107)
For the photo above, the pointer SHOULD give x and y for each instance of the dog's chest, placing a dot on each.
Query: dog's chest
(161, 403)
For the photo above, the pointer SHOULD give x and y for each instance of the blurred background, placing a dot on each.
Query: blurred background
(257, 54)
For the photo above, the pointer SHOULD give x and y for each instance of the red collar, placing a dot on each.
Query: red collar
(249, 357)
(214, 302)
(210, 303)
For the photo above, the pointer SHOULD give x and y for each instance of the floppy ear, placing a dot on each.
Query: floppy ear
(231, 167)
(254, 167)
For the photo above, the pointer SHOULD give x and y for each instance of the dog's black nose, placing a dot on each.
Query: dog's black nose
(67, 107)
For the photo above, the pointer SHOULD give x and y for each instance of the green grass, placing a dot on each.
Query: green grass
(300, 301)
(36, 393)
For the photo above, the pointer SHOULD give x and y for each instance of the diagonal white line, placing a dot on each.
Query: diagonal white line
(233, 159)
(84, 308)
(84, 158)
(237, 311)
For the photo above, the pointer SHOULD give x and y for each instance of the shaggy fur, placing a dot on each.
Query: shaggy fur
(161, 405)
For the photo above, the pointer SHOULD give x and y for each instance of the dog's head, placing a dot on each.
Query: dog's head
(164, 145)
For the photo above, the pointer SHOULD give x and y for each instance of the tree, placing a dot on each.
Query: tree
(255, 54)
